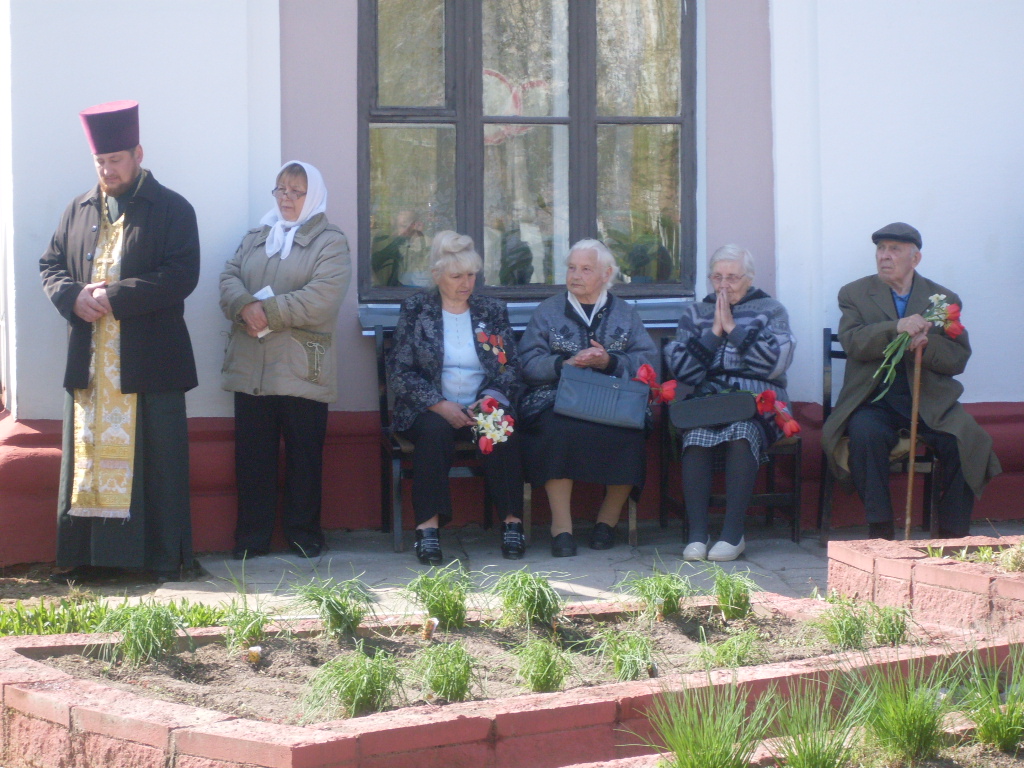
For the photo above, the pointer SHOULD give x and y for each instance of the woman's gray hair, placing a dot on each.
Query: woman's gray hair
(452, 252)
(605, 258)
(732, 253)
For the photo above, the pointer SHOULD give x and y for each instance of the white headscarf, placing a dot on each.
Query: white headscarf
(282, 232)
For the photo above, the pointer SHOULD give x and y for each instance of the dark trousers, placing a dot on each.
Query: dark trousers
(158, 535)
(874, 431)
(740, 477)
(260, 423)
(435, 452)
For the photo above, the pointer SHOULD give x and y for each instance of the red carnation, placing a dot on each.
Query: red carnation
(954, 329)
(646, 375)
(953, 312)
(766, 401)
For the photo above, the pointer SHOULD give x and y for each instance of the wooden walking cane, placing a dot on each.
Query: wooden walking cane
(915, 403)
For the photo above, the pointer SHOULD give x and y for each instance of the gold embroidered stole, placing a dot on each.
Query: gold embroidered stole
(104, 417)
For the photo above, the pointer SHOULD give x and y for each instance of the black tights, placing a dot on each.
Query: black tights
(740, 476)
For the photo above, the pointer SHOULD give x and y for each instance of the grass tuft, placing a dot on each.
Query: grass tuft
(148, 631)
(341, 605)
(889, 624)
(1012, 558)
(543, 666)
(845, 624)
(813, 733)
(351, 685)
(445, 670)
(995, 700)
(527, 597)
(709, 726)
(904, 709)
(740, 649)
(244, 625)
(630, 653)
(732, 590)
(660, 592)
(441, 592)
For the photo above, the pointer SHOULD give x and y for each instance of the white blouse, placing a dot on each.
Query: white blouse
(462, 374)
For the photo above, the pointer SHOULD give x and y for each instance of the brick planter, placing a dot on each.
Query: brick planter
(52, 720)
(939, 590)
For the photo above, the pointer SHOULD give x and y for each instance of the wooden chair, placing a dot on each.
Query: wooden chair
(772, 499)
(925, 462)
(396, 457)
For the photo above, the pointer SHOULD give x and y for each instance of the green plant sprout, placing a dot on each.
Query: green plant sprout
(441, 592)
(445, 670)
(661, 592)
(629, 652)
(732, 590)
(543, 666)
(740, 649)
(351, 685)
(527, 597)
(709, 726)
(341, 605)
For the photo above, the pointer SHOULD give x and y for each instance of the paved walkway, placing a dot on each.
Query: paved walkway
(773, 561)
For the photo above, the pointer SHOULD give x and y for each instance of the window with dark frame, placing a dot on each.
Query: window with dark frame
(527, 125)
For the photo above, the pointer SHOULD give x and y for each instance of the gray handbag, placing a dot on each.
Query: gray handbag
(592, 396)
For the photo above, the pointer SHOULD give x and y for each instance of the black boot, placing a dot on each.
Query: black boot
(513, 541)
(428, 546)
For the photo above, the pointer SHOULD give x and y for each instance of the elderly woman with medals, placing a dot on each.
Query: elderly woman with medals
(282, 290)
(585, 327)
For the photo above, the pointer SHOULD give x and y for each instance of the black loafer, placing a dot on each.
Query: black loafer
(602, 537)
(513, 541)
(563, 545)
(305, 550)
(428, 546)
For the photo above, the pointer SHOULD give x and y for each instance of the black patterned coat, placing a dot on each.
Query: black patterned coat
(417, 354)
(556, 333)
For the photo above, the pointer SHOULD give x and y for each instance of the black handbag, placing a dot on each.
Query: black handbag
(592, 396)
(712, 409)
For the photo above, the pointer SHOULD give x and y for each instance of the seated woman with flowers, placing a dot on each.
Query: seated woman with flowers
(453, 358)
(737, 338)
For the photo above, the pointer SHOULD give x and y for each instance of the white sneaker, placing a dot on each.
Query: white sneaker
(723, 551)
(695, 550)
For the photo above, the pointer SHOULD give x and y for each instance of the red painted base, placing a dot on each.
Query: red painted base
(30, 466)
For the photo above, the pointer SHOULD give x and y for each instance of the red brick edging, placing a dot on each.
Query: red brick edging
(939, 590)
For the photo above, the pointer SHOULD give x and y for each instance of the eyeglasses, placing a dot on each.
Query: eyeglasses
(728, 279)
(294, 195)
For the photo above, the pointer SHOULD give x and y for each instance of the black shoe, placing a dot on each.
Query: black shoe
(428, 546)
(563, 545)
(881, 531)
(305, 550)
(602, 537)
(248, 553)
(513, 541)
(84, 574)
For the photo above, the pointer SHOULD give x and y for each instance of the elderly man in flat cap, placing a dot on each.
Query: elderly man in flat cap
(124, 257)
(875, 310)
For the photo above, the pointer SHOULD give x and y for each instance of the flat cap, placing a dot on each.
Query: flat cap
(899, 231)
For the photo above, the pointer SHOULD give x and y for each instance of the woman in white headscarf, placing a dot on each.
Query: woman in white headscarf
(282, 291)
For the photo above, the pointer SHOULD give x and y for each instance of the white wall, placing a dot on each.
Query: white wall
(902, 110)
(206, 75)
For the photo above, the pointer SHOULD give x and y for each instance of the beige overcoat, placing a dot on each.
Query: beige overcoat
(867, 326)
(299, 357)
